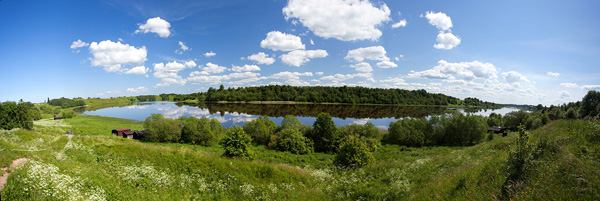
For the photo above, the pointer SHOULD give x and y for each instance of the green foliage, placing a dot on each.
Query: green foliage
(145, 98)
(291, 140)
(13, 115)
(236, 143)
(260, 129)
(590, 104)
(67, 114)
(66, 103)
(197, 131)
(515, 118)
(163, 129)
(464, 130)
(368, 134)
(519, 159)
(408, 132)
(571, 114)
(494, 120)
(324, 134)
(353, 153)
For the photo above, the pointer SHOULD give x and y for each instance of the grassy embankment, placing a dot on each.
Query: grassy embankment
(98, 165)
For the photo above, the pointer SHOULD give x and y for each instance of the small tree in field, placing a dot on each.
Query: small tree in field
(354, 153)
(236, 143)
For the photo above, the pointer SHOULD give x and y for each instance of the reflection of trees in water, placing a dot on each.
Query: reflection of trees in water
(313, 110)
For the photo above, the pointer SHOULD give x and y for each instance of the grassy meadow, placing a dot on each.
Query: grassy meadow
(95, 165)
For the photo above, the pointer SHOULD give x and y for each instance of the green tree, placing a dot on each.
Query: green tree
(291, 140)
(163, 129)
(407, 132)
(464, 130)
(590, 104)
(353, 153)
(260, 129)
(236, 143)
(324, 134)
(197, 131)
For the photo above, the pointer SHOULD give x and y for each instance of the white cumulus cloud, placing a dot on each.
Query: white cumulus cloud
(569, 85)
(289, 75)
(387, 64)
(169, 73)
(112, 56)
(78, 44)
(182, 48)
(138, 70)
(370, 53)
(401, 23)
(214, 68)
(276, 40)
(245, 68)
(299, 57)
(513, 76)
(446, 41)
(346, 20)
(210, 54)
(261, 58)
(137, 90)
(155, 25)
(466, 70)
(362, 67)
(439, 20)
(553, 74)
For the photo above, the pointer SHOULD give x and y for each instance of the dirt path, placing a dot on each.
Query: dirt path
(14, 164)
(63, 150)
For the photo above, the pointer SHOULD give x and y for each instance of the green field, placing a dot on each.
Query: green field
(564, 165)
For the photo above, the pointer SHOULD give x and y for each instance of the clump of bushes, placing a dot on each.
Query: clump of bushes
(260, 130)
(353, 153)
(13, 115)
(67, 114)
(163, 129)
(456, 130)
(291, 140)
(236, 143)
(191, 130)
(324, 134)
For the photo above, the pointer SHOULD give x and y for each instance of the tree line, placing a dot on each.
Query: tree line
(588, 108)
(66, 102)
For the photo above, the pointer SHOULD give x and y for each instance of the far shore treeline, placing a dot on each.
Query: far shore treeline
(321, 94)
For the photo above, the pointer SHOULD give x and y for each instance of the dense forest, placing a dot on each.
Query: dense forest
(322, 94)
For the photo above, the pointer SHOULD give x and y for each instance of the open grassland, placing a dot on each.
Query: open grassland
(98, 166)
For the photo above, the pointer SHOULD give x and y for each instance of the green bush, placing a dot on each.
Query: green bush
(236, 143)
(494, 120)
(260, 129)
(353, 153)
(13, 115)
(292, 141)
(408, 132)
(67, 114)
(515, 118)
(197, 131)
(324, 134)
(464, 130)
(163, 129)
(519, 158)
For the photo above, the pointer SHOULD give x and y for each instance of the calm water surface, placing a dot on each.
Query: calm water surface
(230, 114)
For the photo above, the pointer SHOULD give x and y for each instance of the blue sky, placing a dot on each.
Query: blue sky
(523, 52)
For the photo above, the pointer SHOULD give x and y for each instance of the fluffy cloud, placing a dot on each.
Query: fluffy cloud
(387, 64)
(281, 41)
(182, 48)
(565, 95)
(299, 57)
(466, 70)
(401, 23)
(513, 76)
(439, 20)
(112, 56)
(553, 74)
(139, 70)
(245, 68)
(78, 44)
(289, 75)
(569, 85)
(215, 79)
(137, 90)
(446, 41)
(210, 54)
(370, 53)
(341, 77)
(346, 20)
(155, 25)
(261, 58)
(362, 67)
(591, 87)
(169, 73)
(214, 68)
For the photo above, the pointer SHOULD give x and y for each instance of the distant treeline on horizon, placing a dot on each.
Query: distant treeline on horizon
(322, 94)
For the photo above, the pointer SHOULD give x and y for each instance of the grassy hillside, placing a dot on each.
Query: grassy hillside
(97, 166)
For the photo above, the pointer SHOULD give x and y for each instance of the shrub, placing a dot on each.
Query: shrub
(13, 115)
(353, 154)
(571, 114)
(519, 157)
(515, 118)
(324, 134)
(197, 131)
(464, 130)
(292, 141)
(590, 104)
(163, 129)
(408, 132)
(236, 143)
(216, 128)
(494, 120)
(67, 114)
(260, 129)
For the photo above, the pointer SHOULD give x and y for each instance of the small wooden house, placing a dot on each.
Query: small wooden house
(119, 132)
(136, 134)
(57, 117)
(498, 129)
